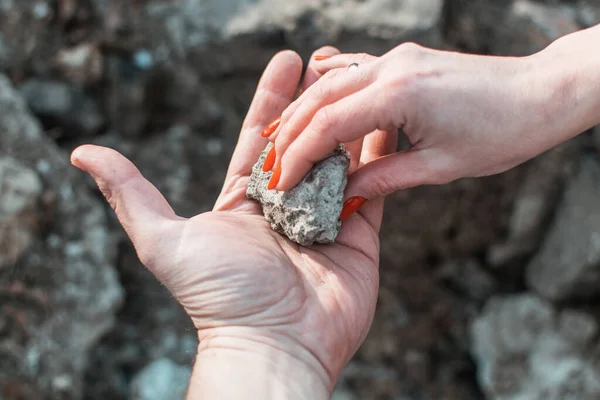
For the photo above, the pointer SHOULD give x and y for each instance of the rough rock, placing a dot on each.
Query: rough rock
(226, 32)
(173, 80)
(540, 24)
(308, 213)
(481, 25)
(5, 54)
(60, 104)
(60, 295)
(588, 13)
(469, 278)
(595, 136)
(161, 380)
(536, 199)
(524, 349)
(568, 263)
(141, 335)
(357, 373)
(20, 190)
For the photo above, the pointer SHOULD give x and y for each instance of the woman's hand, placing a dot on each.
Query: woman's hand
(274, 319)
(465, 115)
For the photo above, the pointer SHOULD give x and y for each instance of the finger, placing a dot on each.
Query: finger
(325, 62)
(377, 144)
(341, 122)
(355, 149)
(140, 207)
(310, 78)
(312, 74)
(335, 85)
(331, 87)
(391, 173)
(274, 93)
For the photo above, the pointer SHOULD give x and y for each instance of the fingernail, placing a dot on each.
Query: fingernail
(269, 160)
(321, 58)
(274, 178)
(351, 206)
(271, 128)
(76, 163)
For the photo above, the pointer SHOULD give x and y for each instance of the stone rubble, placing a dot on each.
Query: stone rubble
(526, 349)
(567, 266)
(483, 281)
(161, 380)
(59, 290)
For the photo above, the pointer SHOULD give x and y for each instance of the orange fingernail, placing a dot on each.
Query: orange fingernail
(271, 128)
(269, 160)
(274, 178)
(351, 206)
(321, 58)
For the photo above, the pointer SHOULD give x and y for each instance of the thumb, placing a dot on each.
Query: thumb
(388, 174)
(140, 207)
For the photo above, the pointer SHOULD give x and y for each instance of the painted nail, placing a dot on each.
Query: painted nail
(274, 178)
(269, 160)
(351, 206)
(271, 128)
(321, 58)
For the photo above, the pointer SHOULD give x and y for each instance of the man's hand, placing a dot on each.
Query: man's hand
(274, 319)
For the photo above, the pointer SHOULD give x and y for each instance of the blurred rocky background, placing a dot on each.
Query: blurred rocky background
(490, 287)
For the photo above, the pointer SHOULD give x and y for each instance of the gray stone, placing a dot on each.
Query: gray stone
(522, 351)
(469, 277)
(588, 13)
(61, 294)
(81, 64)
(5, 53)
(535, 25)
(536, 199)
(63, 104)
(568, 263)
(240, 35)
(352, 384)
(20, 189)
(516, 27)
(596, 138)
(161, 380)
(309, 212)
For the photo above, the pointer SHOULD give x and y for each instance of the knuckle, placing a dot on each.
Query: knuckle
(323, 121)
(364, 57)
(288, 112)
(409, 54)
(331, 74)
(322, 90)
(382, 185)
(410, 48)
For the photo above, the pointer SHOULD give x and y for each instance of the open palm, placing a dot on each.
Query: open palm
(234, 275)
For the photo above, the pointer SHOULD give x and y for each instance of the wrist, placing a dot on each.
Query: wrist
(567, 75)
(240, 366)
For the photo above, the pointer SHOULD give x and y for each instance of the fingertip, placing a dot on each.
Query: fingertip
(325, 52)
(288, 55)
(291, 173)
(78, 156)
(103, 163)
(75, 159)
(312, 75)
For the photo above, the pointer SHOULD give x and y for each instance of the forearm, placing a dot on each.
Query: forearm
(568, 72)
(233, 368)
